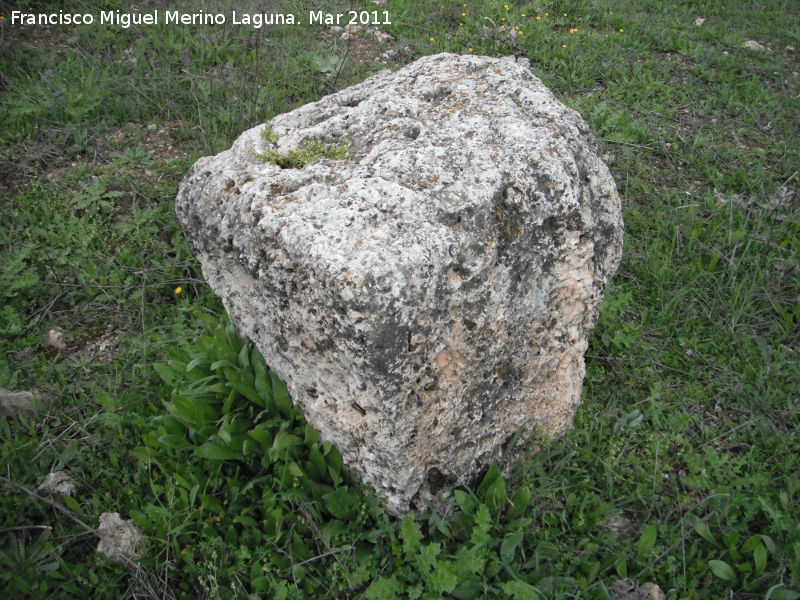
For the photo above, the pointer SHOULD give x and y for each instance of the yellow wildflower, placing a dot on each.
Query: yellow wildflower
(463, 14)
(433, 39)
(522, 15)
(621, 30)
(179, 290)
(470, 49)
(538, 18)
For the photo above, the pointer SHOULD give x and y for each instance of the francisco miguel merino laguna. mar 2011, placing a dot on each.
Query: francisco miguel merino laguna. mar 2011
(174, 17)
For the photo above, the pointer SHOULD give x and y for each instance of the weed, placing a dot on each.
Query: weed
(280, 493)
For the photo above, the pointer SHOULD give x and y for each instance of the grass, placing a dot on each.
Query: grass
(682, 469)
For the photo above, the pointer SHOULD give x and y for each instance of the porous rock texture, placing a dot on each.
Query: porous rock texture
(119, 540)
(432, 294)
(58, 483)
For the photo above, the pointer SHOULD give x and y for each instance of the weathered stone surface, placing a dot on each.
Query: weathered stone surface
(15, 404)
(431, 294)
(59, 483)
(119, 540)
(624, 589)
(55, 339)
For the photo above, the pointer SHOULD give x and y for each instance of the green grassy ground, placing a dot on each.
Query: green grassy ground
(683, 467)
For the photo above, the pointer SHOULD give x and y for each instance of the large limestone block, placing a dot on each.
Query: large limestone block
(432, 293)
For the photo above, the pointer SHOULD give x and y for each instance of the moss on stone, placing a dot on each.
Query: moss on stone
(306, 154)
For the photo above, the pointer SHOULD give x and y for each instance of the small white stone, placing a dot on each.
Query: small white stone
(55, 339)
(25, 403)
(381, 37)
(59, 483)
(753, 45)
(118, 539)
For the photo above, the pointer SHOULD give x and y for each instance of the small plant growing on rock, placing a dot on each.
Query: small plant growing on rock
(269, 135)
(305, 154)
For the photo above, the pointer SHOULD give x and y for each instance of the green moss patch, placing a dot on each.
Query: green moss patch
(306, 154)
